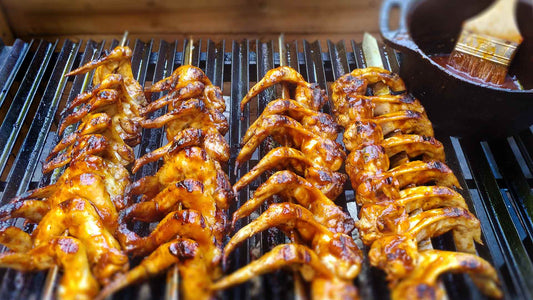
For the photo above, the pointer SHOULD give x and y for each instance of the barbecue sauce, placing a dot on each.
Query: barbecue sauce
(511, 82)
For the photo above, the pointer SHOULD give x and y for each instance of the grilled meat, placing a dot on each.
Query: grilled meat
(386, 134)
(321, 249)
(188, 195)
(77, 216)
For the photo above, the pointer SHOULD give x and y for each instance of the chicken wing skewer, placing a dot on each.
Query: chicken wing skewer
(77, 216)
(308, 147)
(188, 195)
(398, 212)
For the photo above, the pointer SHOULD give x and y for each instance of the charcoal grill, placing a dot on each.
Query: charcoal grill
(496, 175)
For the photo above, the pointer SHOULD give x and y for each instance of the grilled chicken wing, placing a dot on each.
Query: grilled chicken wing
(116, 62)
(330, 183)
(186, 223)
(285, 255)
(346, 91)
(422, 282)
(407, 175)
(421, 226)
(289, 132)
(182, 74)
(209, 139)
(189, 114)
(403, 121)
(317, 122)
(69, 253)
(192, 163)
(187, 194)
(413, 146)
(82, 222)
(161, 259)
(293, 187)
(337, 251)
(287, 75)
(188, 90)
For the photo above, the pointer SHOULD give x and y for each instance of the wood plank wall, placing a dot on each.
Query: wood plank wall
(167, 19)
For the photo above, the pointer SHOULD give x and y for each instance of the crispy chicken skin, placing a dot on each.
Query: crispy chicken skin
(70, 254)
(189, 163)
(407, 193)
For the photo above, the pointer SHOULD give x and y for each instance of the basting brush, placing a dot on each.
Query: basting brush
(488, 43)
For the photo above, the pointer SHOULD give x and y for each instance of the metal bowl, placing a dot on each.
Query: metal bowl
(455, 105)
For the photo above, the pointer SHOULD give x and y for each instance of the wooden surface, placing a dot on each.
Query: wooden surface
(169, 20)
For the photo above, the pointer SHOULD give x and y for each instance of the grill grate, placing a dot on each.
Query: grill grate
(496, 175)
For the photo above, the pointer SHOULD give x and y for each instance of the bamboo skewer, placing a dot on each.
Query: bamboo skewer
(173, 277)
(299, 288)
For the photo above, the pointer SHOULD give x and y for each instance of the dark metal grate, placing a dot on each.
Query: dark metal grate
(496, 175)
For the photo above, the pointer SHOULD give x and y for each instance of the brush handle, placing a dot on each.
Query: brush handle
(497, 21)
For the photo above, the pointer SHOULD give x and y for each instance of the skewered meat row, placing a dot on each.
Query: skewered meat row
(188, 195)
(77, 216)
(404, 200)
(322, 249)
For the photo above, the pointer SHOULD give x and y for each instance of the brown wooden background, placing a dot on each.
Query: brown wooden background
(167, 19)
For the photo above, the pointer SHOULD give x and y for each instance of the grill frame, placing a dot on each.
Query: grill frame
(496, 174)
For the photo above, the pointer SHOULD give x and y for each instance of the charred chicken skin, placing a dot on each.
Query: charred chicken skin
(188, 195)
(321, 249)
(77, 216)
(405, 189)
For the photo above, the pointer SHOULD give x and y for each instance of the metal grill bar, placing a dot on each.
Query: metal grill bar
(497, 174)
(23, 100)
(12, 60)
(26, 161)
(239, 88)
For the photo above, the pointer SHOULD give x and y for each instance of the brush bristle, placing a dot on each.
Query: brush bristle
(483, 69)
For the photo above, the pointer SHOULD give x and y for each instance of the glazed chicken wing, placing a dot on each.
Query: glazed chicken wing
(285, 255)
(69, 253)
(289, 132)
(293, 187)
(423, 282)
(319, 123)
(192, 163)
(159, 260)
(287, 75)
(189, 114)
(285, 158)
(208, 139)
(337, 251)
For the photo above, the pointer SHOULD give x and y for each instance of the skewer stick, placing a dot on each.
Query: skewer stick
(124, 38)
(299, 288)
(283, 62)
(172, 286)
